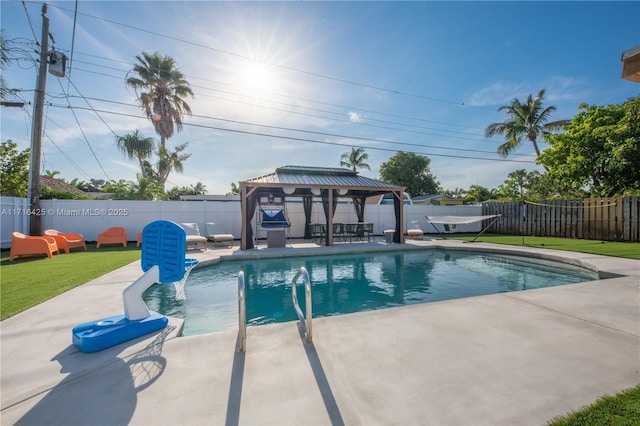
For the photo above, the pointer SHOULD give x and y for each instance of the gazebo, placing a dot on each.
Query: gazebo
(327, 183)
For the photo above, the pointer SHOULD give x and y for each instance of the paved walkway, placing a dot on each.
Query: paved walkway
(506, 359)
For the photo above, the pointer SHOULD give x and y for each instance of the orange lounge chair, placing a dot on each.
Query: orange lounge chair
(115, 235)
(66, 241)
(24, 244)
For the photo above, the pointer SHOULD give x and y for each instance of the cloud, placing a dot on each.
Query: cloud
(557, 88)
(354, 117)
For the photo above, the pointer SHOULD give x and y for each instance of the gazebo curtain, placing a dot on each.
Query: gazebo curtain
(325, 205)
(358, 204)
(251, 210)
(307, 203)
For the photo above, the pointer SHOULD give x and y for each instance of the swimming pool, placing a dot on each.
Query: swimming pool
(349, 283)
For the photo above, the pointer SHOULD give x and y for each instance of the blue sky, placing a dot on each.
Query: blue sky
(318, 78)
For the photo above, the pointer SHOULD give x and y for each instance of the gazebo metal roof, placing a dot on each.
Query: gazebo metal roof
(302, 178)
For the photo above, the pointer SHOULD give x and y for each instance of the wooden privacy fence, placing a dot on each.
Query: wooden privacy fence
(609, 219)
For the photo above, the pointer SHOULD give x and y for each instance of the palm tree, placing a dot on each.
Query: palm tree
(199, 188)
(355, 159)
(170, 161)
(145, 189)
(163, 89)
(134, 145)
(528, 119)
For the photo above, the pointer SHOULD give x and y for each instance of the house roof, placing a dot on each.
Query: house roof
(301, 179)
(59, 185)
(434, 197)
(631, 64)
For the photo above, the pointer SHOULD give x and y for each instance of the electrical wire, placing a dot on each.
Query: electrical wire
(26, 11)
(328, 118)
(303, 139)
(253, 124)
(91, 107)
(314, 74)
(86, 140)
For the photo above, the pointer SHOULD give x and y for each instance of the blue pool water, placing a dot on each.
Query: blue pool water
(350, 283)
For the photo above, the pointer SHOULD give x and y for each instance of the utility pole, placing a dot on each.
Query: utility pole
(36, 130)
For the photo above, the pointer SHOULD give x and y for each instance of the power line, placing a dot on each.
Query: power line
(289, 129)
(316, 116)
(86, 140)
(35, 37)
(314, 74)
(349, 108)
(90, 106)
(304, 139)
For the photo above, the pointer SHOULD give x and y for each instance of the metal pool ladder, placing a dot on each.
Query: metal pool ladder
(242, 315)
(306, 323)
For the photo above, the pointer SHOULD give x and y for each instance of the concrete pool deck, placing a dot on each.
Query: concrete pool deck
(508, 359)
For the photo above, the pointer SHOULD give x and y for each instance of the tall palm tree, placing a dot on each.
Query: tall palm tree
(528, 119)
(134, 145)
(355, 159)
(161, 90)
(170, 161)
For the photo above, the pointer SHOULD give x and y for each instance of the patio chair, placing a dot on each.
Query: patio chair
(193, 235)
(214, 234)
(114, 235)
(318, 232)
(24, 244)
(66, 241)
(415, 233)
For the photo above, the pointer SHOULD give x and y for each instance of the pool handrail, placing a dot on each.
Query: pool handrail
(242, 315)
(306, 323)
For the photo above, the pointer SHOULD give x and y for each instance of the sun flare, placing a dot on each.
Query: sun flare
(258, 77)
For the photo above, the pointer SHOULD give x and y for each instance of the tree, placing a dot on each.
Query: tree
(175, 192)
(355, 159)
(14, 170)
(599, 153)
(162, 91)
(477, 193)
(235, 189)
(145, 189)
(521, 185)
(52, 173)
(528, 120)
(411, 171)
(119, 188)
(456, 193)
(169, 161)
(136, 146)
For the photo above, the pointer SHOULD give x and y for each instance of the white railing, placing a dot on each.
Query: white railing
(305, 322)
(242, 315)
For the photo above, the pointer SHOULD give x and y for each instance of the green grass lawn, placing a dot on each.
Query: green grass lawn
(621, 409)
(606, 248)
(29, 281)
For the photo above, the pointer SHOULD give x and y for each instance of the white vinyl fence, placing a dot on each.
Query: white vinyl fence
(90, 217)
